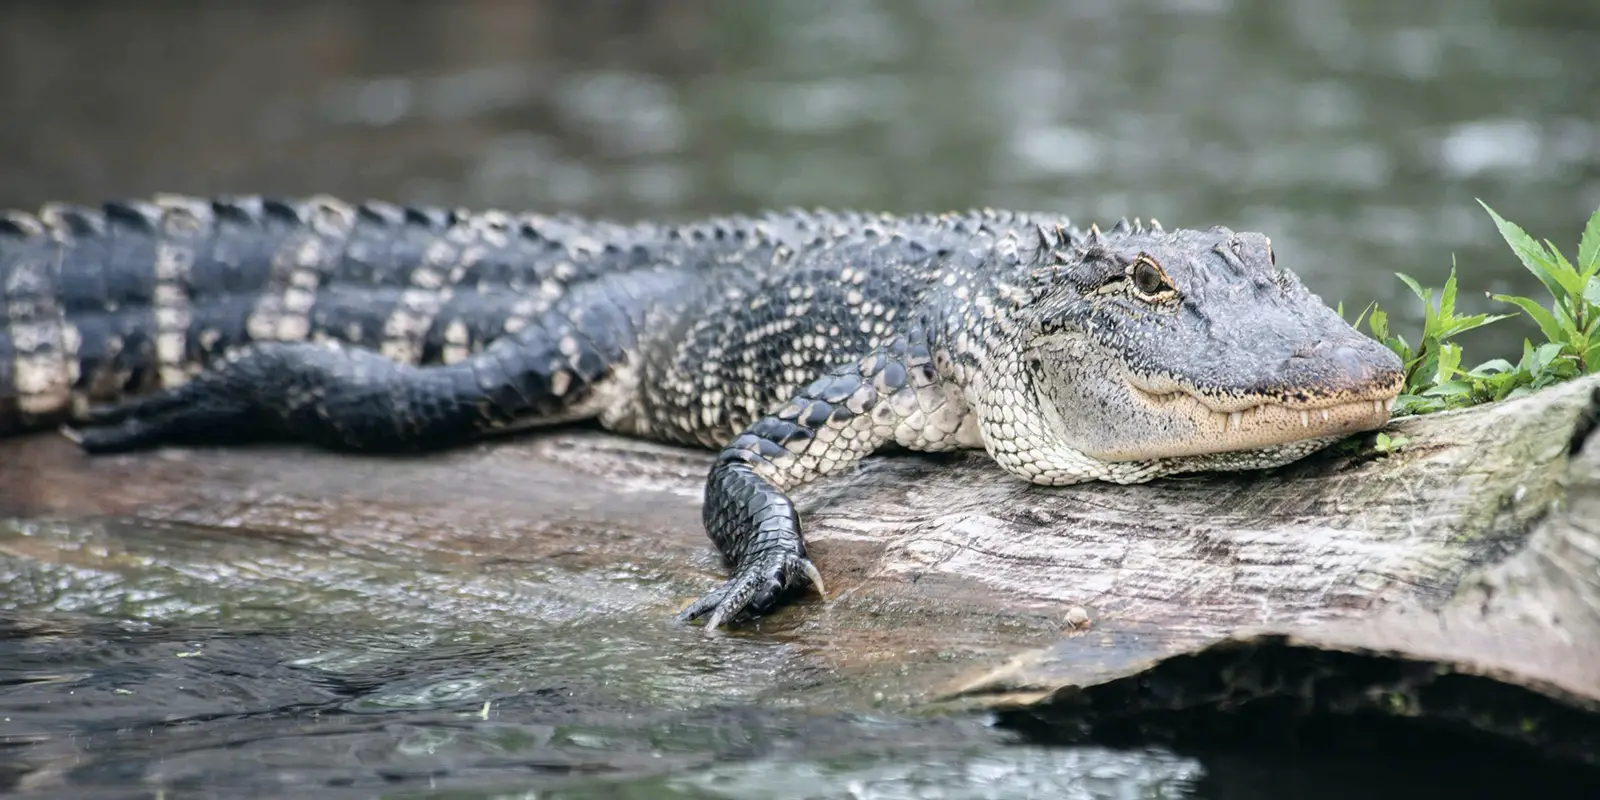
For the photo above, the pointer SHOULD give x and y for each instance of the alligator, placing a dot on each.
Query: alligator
(794, 343)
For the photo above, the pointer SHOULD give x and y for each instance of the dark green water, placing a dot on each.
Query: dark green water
(1356, 132)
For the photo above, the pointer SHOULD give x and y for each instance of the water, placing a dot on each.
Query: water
(1356, 132)
(122, 709)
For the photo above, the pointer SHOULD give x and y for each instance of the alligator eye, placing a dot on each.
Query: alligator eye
(1148, 279)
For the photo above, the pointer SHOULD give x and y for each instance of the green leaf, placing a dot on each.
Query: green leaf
(1464, 324)
(1564, 318)
(1449, 362)
(1533, 256)
(1400, 348)
(1496, 386)
(1555, 369)
(1546, 354)
(1430, 318)
(1591, 358)
(1562, 265)
(1488, 318)
(1528, 356)
(1363, 315)
(1492, 366)
(1416, 288)
(1384, 443)
(1379, 324)
(1447, 298)
(1449, 389)
(1511, 382)
(1413, 404)
(1548, 325)
(1591, 291)
(1422, 370)
(1589, 247)
(1577, 343)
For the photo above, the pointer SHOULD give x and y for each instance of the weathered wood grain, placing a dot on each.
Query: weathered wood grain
(1472, 552)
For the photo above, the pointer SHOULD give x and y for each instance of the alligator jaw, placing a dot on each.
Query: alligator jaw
(1250, 423)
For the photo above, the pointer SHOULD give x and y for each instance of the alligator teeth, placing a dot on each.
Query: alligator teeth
(1305, 418)
(1389, 405)
(1378, 406)
(1235, 419)
(1325, 415)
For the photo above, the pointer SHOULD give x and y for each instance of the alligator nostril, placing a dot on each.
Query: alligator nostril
(1340, 358)
(1350, 360)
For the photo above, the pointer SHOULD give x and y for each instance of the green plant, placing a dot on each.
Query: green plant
(1572, 319)
(1386, 444)
(1435, 361)
(1435, 379)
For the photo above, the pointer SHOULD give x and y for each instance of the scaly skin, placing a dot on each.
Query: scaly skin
(796, 343)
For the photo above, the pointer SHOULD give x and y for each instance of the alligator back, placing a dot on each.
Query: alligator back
(99, 304)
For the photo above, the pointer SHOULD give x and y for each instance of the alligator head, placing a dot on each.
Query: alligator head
(1151, 352)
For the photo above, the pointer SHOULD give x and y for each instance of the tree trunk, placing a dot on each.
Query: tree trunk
(1456, 580)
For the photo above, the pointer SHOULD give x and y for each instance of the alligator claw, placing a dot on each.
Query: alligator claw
(140, 406)
(172, 416)
(757, 587)
(130, 434)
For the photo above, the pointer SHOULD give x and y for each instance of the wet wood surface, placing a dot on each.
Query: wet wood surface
(1473, 551)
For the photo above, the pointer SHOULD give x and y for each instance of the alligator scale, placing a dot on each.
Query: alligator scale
(794, 342)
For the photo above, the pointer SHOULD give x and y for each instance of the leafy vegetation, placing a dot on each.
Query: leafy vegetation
(1386, 444)
(1569, 326)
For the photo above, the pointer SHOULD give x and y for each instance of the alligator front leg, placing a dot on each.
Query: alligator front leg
(355, 399)
(893, 395)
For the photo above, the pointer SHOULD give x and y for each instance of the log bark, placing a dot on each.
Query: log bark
(1456, 580)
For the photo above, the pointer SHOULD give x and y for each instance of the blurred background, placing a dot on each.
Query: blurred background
(1356, 132)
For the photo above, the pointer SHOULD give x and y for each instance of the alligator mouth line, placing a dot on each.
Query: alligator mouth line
(1308, 414)
(1250, 424)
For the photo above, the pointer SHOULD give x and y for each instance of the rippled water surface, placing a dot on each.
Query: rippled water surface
(1356, 132)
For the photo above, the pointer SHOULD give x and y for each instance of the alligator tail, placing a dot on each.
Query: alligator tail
(78, 307)
(101, 304)
(97, 304)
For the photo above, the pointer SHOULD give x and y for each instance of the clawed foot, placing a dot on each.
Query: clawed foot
(756, 587)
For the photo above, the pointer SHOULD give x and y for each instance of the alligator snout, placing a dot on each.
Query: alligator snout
(1347, 365)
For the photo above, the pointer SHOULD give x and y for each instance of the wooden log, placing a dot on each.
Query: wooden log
(1353, 582)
